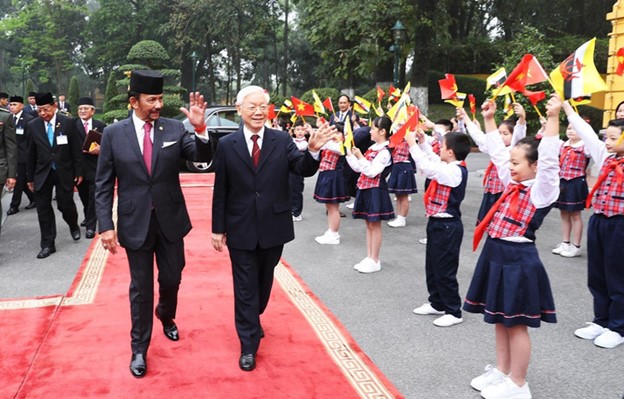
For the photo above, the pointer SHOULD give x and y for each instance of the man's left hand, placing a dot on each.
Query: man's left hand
(10, 183)
(196, 111)
(322, 135)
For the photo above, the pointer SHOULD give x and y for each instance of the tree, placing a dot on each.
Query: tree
(111, 91)
(73, 94)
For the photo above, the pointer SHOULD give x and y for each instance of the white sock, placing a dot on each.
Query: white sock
(401, 218)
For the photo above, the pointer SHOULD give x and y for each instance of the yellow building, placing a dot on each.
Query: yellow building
(615, 84)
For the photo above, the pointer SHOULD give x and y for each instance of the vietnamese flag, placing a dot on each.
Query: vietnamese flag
(620, 60)
(448, 87)
(529, 71)
(328, 105)
(272, 114)
(302, 108)
(411, 124)
(380, 94)
(534, 96)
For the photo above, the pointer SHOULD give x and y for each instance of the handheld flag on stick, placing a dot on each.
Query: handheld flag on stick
(508, 108)
(328, 105)
(286, 107)
(448, 87)
(398, 106)
(458, 100)
(348, 133)
(473, 106)
(496, 81)
(361, 105)
(535, 97)
(529, 71)
(271, 114)
(410, 124)
(380, 95)
(302, 108)
(318, 104)
(577, 76)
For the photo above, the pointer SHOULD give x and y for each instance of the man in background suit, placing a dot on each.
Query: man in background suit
(8, 153)
(54, 164)
(4, 101)
(20, 119)
(31, 108)
(344, 111)
(251, 208)
(141, 153)
(86, 190)
(63, 106)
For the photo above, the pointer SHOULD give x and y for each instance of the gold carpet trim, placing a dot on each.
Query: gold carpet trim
(361, 377)
(30, 303)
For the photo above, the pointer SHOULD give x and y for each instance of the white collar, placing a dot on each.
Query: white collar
(248, 133)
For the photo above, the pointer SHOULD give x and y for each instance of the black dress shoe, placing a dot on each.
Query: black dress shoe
(83, 223)
(12, 211)
(75, 234)
(45, 252)
(31, 205)
(90, 234)
(138, 366)
(169, 328)
(247, 362)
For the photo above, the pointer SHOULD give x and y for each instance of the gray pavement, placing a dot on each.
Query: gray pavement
(423, 361)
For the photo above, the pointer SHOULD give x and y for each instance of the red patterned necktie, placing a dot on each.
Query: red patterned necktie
(86, 127)
(613, 164)
(512, 191)
(147, 146)
(255, 150)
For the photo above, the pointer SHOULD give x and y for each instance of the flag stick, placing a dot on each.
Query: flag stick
(498, 92)
(576, 109)
(513, 98)
(538, 111)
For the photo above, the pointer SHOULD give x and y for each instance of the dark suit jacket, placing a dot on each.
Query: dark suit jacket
(333, 121)
(121, 159)
(66, 157)
(65, 108)
(30, 110)
(8, 148)
(89, 162)
(23, 139)
(253, 206)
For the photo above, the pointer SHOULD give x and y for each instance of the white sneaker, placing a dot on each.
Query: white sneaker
(571, 252)
(363, 261)
(370, 266)
(329, 237)
(560, 248)
(507, 389)
(427, 309)
(409, 198)
(447, 320)
(423, 241)
(297, 218)
(351, 205)
(397, 223)
(609, 339)
(592, 331)
(491, 375)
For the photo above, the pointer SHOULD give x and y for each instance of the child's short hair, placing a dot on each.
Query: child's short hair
(529, 144)
(383, 122)
(446, 123)
(298, 122)
(619, 123)
(459, 143)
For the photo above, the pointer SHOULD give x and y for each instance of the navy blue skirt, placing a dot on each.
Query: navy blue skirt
(373, 204)
(510, 286)
(402, 179)
(572, 194)
(330, 187)
(488, 200)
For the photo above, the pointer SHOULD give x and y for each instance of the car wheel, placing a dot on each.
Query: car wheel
(199, 167)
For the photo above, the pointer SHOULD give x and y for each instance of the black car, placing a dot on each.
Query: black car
(220, 121)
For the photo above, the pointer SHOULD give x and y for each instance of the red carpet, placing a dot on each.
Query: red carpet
(82, 348)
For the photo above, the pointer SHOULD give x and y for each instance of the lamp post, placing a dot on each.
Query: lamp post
(194, 58)
(398, 33)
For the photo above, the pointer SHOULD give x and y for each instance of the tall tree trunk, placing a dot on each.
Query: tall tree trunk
(285, 63)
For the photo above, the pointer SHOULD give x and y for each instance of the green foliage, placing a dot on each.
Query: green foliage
(73, 94)
(111, 91)
(150, 53)
(132, 67)
(172, 104)
(30, 86)
(111, 116)
(277, 99)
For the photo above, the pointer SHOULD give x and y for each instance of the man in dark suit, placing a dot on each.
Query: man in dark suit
(54, 164)
(8, 153)
(141, 154)
(344, 111)
(251, 208)
(63, 106)
(31, 108)
(20, 120)
(86, 190)
(4, 101)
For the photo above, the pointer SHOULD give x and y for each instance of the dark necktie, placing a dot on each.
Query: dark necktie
(255, 150)
(513, 191)
(147, 147)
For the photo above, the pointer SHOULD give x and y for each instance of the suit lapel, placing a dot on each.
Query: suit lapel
(240, 147)
(133, 142)
(159, 132)
(268, 145)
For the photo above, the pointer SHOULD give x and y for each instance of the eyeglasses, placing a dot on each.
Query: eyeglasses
(253, 108)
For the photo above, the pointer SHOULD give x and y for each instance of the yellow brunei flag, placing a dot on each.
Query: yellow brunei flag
(577, 76)
(348, 136)
(399, 105)
(318, 104)
(496, 80)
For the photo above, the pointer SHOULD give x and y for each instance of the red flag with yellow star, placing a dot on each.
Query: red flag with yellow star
(302, 108)
(448, 87)
(529, 71)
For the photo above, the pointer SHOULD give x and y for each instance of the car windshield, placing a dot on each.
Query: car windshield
(228, 118)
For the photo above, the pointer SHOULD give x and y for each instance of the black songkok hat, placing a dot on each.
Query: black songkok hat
(44, 99)
(86, 101)
(16, 99)
(147, 82)
(32, 94)
(3, 95)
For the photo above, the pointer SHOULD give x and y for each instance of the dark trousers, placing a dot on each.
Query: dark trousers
(605, 274)
(86, 191)
(252, 273)
(296, 193)
(170, 262)
(444, 238)
(45, 212)
(21, 187)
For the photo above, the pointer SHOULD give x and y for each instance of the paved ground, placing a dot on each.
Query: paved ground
(422, 360)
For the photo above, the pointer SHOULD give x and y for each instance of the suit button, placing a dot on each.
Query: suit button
(257, 194)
